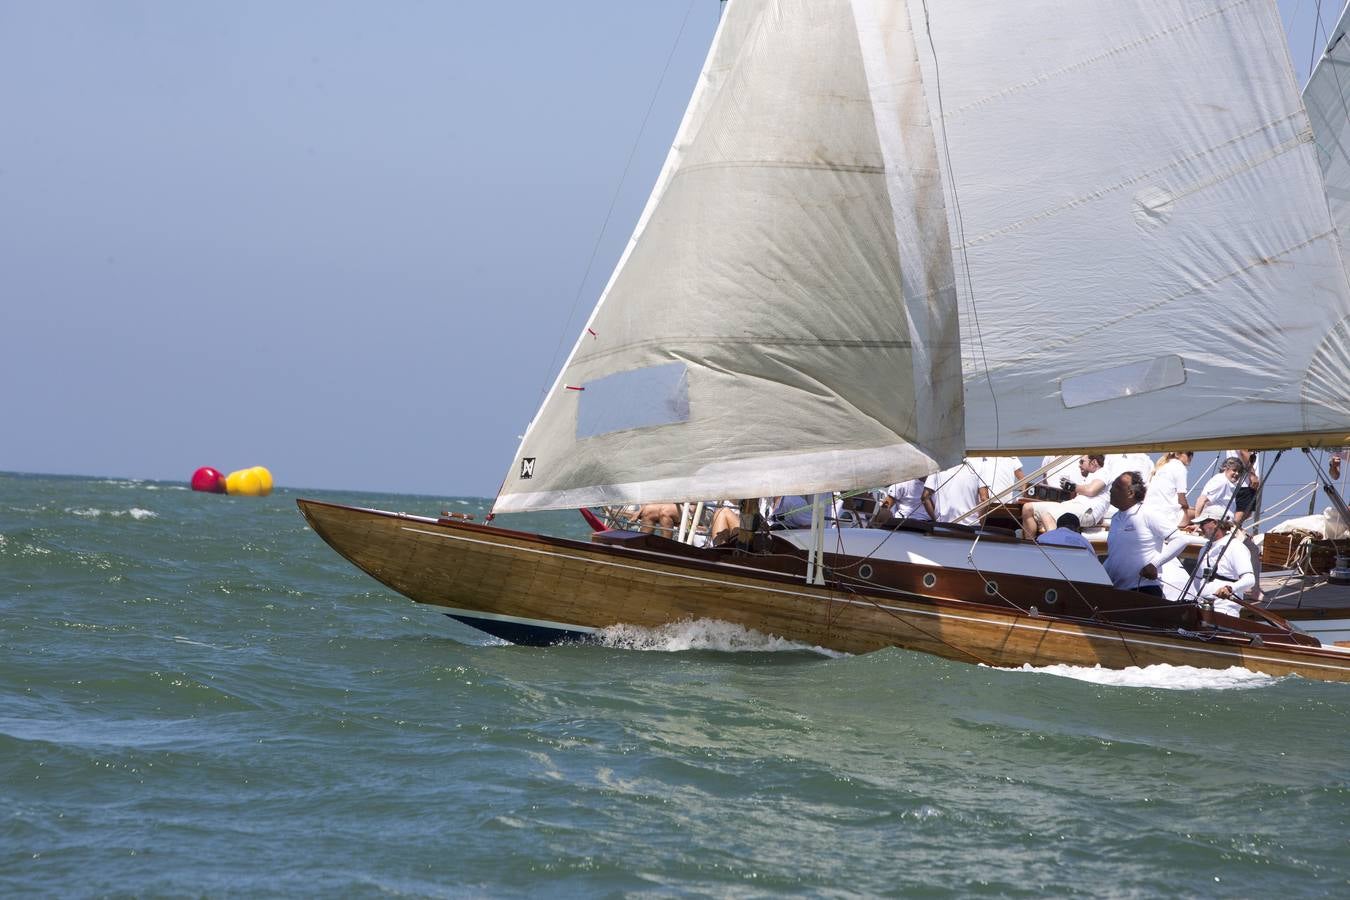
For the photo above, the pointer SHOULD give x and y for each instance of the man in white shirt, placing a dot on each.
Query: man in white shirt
(999, 474)
(1217, 494)
(1224, 570)
(1135, 544)
(956, 491)
(905, 500)
(1132, 462)
(1089, 502)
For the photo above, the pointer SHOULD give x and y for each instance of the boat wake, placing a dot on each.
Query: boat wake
(700, 634)
(1167, 677)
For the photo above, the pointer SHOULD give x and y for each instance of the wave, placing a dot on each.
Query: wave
(135, 512)
(1162, 675)
(701, 634)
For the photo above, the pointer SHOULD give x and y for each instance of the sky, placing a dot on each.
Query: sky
(349, 241)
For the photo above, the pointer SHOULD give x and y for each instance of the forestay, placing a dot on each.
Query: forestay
(783, 320)
(1146, 258)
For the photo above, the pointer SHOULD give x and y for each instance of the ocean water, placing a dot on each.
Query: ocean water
(198, 697)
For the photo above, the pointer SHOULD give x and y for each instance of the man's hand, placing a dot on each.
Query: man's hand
(1224, 593)
(1150, 572)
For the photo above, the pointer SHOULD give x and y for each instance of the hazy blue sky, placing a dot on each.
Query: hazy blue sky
(339, 239)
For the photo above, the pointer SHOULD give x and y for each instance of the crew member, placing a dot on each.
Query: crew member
(1224, 570)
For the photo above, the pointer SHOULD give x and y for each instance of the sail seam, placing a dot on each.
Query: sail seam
(752, 341)
(1292, 143)
(1093, 60)
(825, 166)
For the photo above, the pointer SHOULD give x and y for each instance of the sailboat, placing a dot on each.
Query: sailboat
(890, 234)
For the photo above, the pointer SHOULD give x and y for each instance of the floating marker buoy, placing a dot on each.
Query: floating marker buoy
(254, 482)
(209, 480)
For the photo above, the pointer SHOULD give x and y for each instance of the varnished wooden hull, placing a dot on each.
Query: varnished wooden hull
(535, 589)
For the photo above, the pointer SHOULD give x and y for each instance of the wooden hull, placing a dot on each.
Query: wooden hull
(534, 589)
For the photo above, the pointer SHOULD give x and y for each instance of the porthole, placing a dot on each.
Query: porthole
(1052, 596)
(865, 572)
(929, 579)
(991, 588)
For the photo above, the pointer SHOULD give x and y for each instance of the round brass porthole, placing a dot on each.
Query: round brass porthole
(991, 588)
(865, 572)
(1052, 596)
(929, 579)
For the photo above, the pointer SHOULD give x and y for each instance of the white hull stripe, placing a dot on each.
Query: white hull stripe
(1045, 626)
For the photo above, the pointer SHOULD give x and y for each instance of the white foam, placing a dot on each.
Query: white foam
(135, 512)
(1162, 675)
(700, 634)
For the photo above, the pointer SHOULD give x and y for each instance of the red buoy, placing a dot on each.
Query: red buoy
(209, 480)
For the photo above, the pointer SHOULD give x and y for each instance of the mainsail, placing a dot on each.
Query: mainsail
(1145, 255)
(1117, 201)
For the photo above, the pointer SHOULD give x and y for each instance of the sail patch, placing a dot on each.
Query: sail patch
(638, 398)
(1123, 381)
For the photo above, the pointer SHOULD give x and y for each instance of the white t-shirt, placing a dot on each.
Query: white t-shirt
(1255, 463)
(955, 492)
(1218, 491)
(1233, 570)
(997, 473)
(1067, 470)
(1135, 540)
(1132, 462)
(1099, 507)
(1167, 483)
(908, 497)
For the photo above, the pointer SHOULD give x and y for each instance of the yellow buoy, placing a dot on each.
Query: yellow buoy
(244, 483)
(264, 479)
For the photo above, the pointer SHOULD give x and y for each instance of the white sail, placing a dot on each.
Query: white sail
(1145, 257)
(1327, 97)
(783, 321)
(1118, 200)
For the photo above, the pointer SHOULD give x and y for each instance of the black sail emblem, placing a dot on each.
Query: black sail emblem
(527, 467)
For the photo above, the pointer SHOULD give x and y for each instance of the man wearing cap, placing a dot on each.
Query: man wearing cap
(1224, 570)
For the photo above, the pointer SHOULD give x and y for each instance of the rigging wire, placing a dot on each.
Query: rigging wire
(618, 188)
(960, 223)
(1317, 26)
(604, 226)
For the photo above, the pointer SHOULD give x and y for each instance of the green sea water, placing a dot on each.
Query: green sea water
(198, 697)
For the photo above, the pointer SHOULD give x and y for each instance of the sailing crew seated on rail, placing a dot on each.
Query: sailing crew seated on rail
(1224, 570)
(1088, 503)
